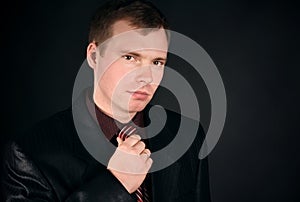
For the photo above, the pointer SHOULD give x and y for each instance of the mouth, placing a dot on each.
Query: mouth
(140, 95)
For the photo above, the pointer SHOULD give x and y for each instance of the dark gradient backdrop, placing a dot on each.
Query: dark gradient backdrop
(255, 45)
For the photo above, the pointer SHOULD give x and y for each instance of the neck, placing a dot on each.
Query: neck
(118, 114)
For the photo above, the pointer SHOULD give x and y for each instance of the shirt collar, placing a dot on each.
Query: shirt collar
(109, 126)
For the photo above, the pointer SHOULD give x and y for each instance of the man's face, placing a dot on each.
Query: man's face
(129, 70)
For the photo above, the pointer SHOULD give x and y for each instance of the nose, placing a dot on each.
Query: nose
(145, 75)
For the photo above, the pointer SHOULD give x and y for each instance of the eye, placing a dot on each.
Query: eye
(128, 57)
(158, 63)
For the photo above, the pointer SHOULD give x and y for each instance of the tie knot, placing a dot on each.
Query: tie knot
(126, 132)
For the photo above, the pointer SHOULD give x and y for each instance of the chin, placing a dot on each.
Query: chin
(137, 107)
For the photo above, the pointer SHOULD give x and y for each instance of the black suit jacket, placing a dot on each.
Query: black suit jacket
(49, 163)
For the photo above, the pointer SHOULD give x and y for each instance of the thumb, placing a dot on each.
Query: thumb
(119, 140)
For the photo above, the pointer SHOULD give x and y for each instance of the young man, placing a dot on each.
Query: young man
(127, 53)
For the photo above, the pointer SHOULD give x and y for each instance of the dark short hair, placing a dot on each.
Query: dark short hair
(140, 14)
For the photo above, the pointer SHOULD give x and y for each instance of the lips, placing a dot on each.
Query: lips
(140, 95)
(141, 92)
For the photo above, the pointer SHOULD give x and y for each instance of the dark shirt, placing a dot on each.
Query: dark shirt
(109, 125)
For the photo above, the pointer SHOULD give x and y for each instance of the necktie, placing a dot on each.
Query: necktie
(141, 192)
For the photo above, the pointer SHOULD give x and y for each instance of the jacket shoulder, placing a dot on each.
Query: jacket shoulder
(51, 134)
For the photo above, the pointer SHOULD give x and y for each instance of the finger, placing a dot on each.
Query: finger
(145, 154)
(149, 163)
(139, 147)
(146, 151)
(132, 140)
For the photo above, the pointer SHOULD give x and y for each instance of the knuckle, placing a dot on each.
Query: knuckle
(135, 136)
(150, 161)
(142, 144)
(123, 147)
(136, 150)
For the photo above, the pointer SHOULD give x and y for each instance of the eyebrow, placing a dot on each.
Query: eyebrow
(139, 55)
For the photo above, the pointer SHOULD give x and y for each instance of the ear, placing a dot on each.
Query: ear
(91, 55)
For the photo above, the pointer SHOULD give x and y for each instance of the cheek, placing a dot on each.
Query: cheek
(114, 80)
(154, 88)
(157, 76)
(106, 69)
(99, 75)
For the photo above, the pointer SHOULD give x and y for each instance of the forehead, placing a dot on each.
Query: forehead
(126, 37)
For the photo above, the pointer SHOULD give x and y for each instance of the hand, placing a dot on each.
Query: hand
(131, 162)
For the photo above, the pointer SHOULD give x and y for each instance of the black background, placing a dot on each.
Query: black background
(255, 45)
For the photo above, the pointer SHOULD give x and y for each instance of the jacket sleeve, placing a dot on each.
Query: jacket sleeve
(22, 180)
(104, 187)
